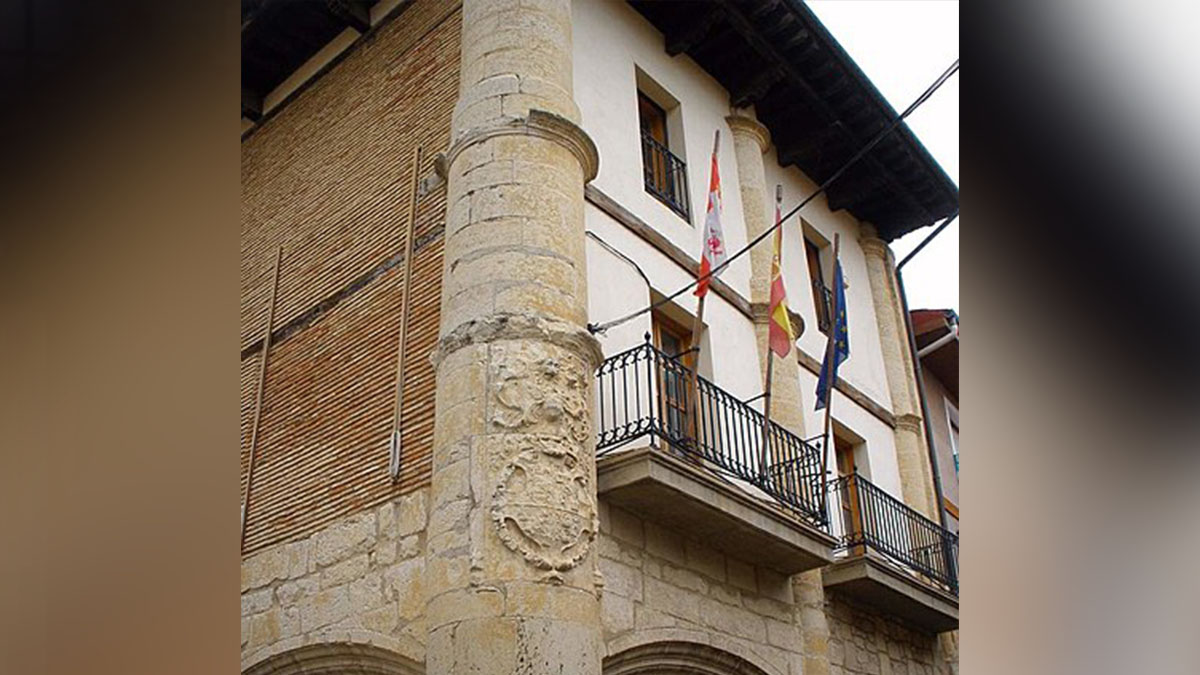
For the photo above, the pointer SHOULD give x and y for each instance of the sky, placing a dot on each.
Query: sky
(903, 45)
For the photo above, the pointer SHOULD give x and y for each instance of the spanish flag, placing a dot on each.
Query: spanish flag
(779, 335)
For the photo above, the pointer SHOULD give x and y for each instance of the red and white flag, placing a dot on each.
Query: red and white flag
(713, 244)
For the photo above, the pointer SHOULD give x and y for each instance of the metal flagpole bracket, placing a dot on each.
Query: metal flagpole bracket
(394, 444)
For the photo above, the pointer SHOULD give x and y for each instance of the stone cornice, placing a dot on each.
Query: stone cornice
(520, 327)
(541, 124)
(742, 125)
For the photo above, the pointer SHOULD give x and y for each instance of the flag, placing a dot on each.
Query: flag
(840, 337)
(712, 252)
(779, 327)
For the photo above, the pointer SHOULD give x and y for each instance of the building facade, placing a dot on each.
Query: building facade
(455, 461)
(936, 334)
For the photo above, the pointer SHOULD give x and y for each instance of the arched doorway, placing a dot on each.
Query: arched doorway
(336, 658)
(679, 658)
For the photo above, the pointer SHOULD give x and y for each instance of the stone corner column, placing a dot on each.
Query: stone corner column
(750, 140)
(510, 561)
(916, 475)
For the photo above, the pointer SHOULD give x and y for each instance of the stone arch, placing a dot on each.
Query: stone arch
(336, 658)
(678, 657)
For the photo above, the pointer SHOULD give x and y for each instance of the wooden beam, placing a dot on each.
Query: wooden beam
(693, 30)
(750, 33)
(353, 13)
(753, 88)
(252, 105)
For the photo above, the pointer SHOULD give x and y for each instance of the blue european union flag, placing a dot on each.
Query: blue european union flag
(841, 338)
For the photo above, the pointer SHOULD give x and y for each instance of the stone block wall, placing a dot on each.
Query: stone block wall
(359, 579)
(660, 585)
(865, 641)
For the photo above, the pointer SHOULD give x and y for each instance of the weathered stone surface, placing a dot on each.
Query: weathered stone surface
(627, 527)
(324, 608)
(256, 601)
(617, 613)
(741, 575)
(706, 560)
(734, 621)
(356, 534)
(345, 571)
(667, 598)
(664, 543)
(410, 513)
(685, 578)
(867, 642)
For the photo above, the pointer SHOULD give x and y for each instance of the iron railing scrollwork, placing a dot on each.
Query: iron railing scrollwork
(863, 516)
(644, 392)
(665, 175)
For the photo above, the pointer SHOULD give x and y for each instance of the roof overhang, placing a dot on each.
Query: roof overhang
(279, 36)
(819, 106)
(929, 326)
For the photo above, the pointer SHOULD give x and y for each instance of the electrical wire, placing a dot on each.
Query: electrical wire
(601, 328)
(928, 239)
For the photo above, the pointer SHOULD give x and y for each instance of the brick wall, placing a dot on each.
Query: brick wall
(328, 178)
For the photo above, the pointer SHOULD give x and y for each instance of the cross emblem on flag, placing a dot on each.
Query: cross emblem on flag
(714, 246)
(713, 243)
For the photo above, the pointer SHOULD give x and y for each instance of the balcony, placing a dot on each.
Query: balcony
(665, 176)
(677, 449)
(892, 556)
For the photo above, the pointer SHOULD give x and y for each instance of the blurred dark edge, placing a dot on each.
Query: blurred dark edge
(1079, 280)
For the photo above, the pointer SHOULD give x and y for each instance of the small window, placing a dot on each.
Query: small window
(653, 119)
(822, 296)
(663, 172)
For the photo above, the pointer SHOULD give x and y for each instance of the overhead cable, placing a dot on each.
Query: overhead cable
(602, 327)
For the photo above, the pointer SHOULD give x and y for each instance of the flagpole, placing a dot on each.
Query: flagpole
(830, 349)
(766, 430)
(697, 327)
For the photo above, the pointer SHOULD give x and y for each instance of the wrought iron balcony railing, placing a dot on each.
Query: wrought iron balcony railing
(644, 392)
(863, 516)
(665, 175)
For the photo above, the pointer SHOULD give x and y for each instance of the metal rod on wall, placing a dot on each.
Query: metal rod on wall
(258, 397)
(394, 445)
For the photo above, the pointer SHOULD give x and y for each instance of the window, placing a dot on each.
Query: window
(673, 340)
(847, 497)
(663, 173)
(822, 297)
(952, 418)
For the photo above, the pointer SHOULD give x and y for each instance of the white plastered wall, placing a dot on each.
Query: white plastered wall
(611, 42)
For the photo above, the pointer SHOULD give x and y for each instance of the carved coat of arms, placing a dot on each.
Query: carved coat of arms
(544, 508)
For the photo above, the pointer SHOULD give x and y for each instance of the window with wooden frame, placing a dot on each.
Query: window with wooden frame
(674, 340)
(822, 296)
(663, 173)
(850, 513)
